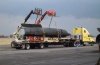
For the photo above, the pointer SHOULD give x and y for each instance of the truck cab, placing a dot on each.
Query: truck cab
(83, 34)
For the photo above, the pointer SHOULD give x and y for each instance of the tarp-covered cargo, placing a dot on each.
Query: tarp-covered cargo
(37, 30)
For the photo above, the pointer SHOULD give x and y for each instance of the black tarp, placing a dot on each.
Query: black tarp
(37, 30)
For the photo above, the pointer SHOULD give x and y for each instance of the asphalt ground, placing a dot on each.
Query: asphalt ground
(53, 55)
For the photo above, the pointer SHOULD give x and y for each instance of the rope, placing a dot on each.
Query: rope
(50, 21)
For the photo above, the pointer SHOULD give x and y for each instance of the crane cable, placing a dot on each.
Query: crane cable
(55, 23)
(50, 21)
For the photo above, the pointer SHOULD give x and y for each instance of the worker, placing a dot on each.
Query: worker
(77, 43)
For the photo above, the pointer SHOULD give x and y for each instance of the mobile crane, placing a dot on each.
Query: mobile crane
(36, 35)
(16, 35)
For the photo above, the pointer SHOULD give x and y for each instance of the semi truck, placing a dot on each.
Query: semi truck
(84, 36)
(35, 35)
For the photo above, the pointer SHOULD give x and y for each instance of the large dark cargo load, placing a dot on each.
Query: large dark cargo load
(37, 30)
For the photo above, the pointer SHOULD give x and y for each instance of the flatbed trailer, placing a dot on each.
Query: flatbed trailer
(37, 36)
(28, 44)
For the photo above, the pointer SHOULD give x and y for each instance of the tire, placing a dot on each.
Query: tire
(13, 44)
(27, 46)
(84, 44)
(41, 46)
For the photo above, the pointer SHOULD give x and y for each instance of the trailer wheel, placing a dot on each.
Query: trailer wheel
(13, 44)
(41, 46)
(27, 46)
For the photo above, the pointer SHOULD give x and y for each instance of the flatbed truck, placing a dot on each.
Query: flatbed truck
(37, 36)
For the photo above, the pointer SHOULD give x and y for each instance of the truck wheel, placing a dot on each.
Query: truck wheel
(41, 46)
(84, 44)
(27, 46)
(13, 44)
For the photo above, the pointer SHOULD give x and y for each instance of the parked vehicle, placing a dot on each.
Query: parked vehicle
(84, 36)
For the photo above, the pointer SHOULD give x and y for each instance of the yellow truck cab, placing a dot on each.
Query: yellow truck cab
(83, 34)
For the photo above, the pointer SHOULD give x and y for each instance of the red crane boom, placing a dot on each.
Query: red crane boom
(49, 13)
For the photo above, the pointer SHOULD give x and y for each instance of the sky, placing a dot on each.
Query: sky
(70, 14)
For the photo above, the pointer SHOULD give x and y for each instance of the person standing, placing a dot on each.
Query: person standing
(77, 44)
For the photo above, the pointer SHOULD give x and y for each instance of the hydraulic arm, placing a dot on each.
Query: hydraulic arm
(49, 13)
(36, 11)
